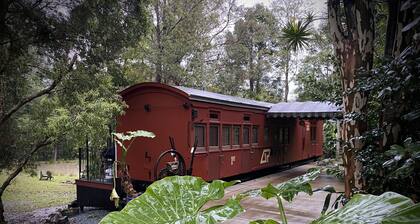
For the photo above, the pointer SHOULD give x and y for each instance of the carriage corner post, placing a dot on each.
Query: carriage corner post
(230, 135)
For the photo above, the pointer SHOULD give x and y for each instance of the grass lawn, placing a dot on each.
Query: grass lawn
(28, 193)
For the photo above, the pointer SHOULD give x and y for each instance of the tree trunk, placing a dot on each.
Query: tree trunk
(24, 101)
(19, 169)
(55, 153)
(286, 77)
(158, 75)
(251, 71)
(354, 50)
(2, 220)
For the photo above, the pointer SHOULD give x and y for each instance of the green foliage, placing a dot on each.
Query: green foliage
(249, 54)
(287, 191)
(317, 80)
(393, 88)
(297, 33)
(130, 136)
(330, 139)
(268, 221)
(389, 207)
(178, 199)
(405, 161)
(38, 42)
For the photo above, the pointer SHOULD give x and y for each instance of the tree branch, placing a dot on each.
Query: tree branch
(46, 141)
(36, 95)
(227, 22)
(183, 17)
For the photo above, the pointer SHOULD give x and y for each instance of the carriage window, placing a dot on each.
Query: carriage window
(214, 135)
(226, 135)
(254, 134)
(199, 131)
(236, 130)
(266, 136)
(245, 135)
(214, 115)
(247, 117)
(281, 139)
(313, 134)
(286, 136)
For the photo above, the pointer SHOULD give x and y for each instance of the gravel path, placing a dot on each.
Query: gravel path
(89, 216)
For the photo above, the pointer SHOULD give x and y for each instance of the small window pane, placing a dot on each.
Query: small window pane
(313, 134)
(275, 136)
(236, 130)
(214, 135)
(281, 139)
(254, 134)
(199, 131)
(266, 136)
(246, 135)
(226, 135)
(214, 115)
(286, 135)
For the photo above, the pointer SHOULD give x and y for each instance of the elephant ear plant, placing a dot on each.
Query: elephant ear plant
(121, 139)
(287, 191)
(387, 208)
(178, 199)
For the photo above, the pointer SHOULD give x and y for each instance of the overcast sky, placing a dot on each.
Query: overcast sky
(319, 7)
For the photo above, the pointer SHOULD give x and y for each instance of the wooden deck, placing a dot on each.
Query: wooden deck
(303, 209)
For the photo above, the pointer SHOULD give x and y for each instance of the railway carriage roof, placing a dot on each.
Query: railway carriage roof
(304, 109)
(205, 96)
(309, 109)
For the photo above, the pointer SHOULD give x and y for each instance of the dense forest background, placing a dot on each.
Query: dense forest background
(81, 55)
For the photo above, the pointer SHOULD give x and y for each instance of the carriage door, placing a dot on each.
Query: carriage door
(284, 136)
(215, 155)
(276, 151)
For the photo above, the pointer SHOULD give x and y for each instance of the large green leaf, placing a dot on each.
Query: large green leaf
(289, 189)
(286, 190)
(178, 199)
(133, 134)
(387, 208)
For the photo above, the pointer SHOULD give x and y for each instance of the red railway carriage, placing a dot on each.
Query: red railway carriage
(231, 135)
(234, 135)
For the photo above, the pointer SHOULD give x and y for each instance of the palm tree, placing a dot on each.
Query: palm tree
(297, 35)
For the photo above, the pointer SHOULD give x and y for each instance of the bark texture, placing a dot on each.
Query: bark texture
(352, 31)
